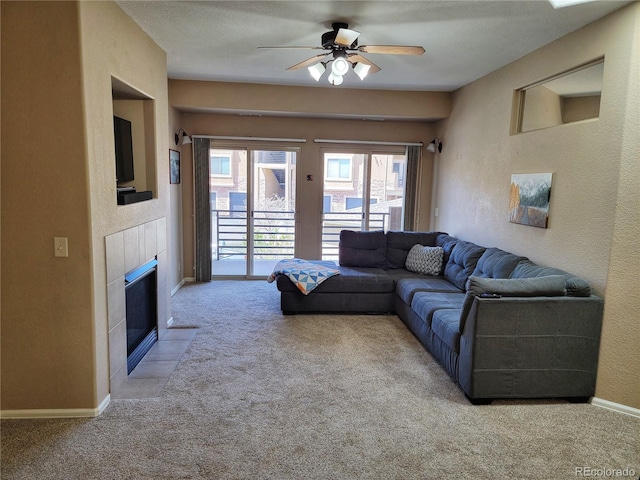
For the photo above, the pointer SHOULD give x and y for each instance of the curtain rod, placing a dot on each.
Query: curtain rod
(253, 139)
(368, 142)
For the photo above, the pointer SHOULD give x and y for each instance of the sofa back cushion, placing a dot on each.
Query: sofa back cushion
(363, 249)
(447, 242)
(462, 262)
(399, 244)
(496, 263)
(576, 286)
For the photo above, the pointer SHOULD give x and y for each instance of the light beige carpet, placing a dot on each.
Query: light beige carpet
(259, 395)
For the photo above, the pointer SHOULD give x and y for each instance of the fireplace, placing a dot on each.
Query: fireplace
(141, 312)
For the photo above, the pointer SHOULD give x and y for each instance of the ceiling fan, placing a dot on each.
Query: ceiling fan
(342, 51)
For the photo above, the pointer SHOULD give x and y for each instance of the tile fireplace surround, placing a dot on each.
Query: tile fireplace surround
(125, 251)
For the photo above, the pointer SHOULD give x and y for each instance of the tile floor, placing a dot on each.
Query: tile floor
(149, 377)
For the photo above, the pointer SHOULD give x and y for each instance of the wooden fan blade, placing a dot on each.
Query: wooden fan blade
(355, 58)
(346, 37)
(301, 48)
(392, 49)
(308, 62)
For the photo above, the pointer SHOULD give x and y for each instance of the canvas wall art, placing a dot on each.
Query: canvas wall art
(174, 166)
(529, 199)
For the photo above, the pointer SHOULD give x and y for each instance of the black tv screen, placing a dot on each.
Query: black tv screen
(124, 149)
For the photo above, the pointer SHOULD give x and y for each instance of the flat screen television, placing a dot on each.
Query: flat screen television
(124, 149)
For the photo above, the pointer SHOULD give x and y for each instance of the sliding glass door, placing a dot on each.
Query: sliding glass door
(272, 225)
(362, 191)
(252, 196)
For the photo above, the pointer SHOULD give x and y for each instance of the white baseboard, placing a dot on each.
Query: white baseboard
(616, 407)
(58, 412)
(177, 287)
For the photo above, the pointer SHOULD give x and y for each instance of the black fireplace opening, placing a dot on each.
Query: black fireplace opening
(141, 292)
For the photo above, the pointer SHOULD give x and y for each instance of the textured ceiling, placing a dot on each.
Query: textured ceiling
(464, 40)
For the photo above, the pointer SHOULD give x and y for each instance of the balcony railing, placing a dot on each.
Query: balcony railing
(274, 232)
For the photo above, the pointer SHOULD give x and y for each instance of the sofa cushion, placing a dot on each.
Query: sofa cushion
(424, 260)
(406, 287)
(424, 304)
(447, 242)
(549, 286)
(363, 249)
(576, 286)
(445, 324)
(496, 263)
(399, 244)
(462, 262)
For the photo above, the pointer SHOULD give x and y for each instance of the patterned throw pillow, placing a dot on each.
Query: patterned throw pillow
(425, 260)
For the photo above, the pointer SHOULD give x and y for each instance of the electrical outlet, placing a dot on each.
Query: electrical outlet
(60, 246)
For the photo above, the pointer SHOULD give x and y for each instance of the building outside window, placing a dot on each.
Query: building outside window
(220, 166)
(338, 168)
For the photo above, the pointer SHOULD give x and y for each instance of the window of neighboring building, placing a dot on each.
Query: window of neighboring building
(221, 165)
(326, 203)
(338, 168)
(356, 202)
(398, 168)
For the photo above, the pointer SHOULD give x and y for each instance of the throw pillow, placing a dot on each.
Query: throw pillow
(424, 260)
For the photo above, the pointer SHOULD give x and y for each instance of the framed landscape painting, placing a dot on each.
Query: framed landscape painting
(174, 166)
(529, 199)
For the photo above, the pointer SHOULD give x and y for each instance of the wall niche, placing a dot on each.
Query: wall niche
(134, 151)
(568, 97)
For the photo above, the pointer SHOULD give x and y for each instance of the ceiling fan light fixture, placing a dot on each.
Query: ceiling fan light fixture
(316, 71)
(335, 79)
(361, 69)
(340, 66)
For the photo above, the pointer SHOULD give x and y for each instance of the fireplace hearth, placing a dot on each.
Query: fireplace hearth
(141, 286)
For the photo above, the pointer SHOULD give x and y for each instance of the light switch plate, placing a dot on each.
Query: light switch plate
(61, 246)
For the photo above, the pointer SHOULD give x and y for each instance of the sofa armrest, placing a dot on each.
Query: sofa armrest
(526, 347)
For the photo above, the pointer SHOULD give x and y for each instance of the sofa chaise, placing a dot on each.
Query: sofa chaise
(501, 326)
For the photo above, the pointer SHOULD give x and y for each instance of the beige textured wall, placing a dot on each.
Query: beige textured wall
(619, 374)
(114, 45)
(575, 109)
(47, 333)
(542, 109)
(342, 102)
(309, 162)
(176, 227)
(59, 181)
(593, 217)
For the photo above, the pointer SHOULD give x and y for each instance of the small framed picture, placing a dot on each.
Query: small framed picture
(174, 166)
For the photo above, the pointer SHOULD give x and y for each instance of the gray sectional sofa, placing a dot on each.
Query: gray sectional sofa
(502, 326)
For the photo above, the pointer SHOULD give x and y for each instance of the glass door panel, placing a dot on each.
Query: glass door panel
(386, 191)
(272, 226)
(343, 198)
(228, 194)
(362, 191)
